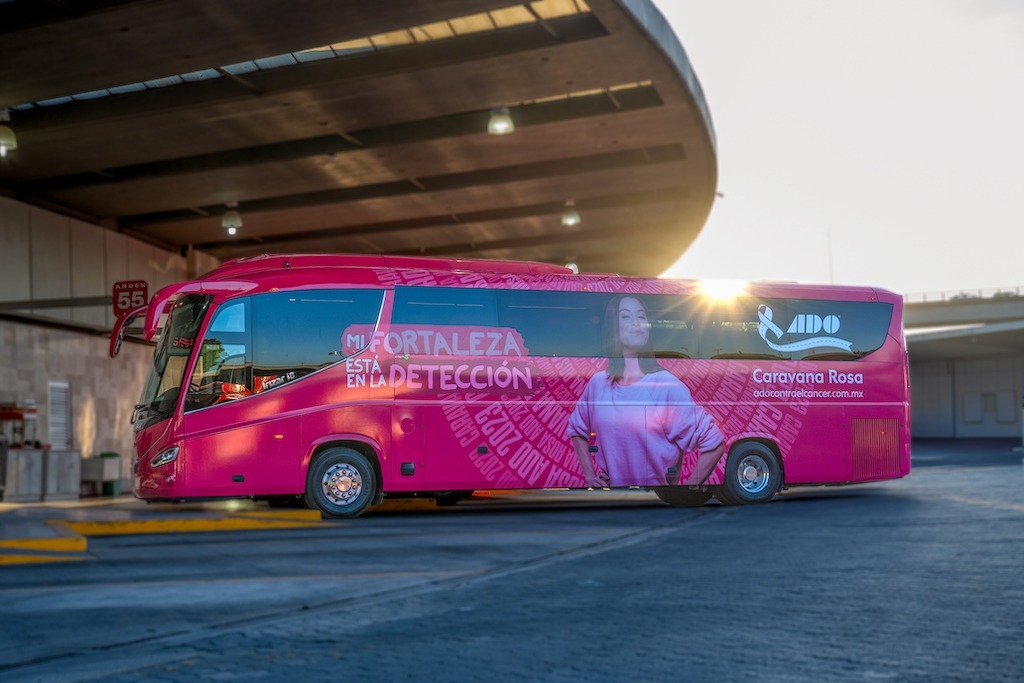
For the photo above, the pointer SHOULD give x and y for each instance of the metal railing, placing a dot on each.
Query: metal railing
(965, 294)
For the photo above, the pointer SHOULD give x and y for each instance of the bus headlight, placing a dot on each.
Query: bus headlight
(170, 455)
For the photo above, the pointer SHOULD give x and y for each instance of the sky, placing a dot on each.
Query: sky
(876, 142)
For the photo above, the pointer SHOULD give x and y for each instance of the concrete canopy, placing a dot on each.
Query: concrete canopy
(361, 126)
(973, 342)
(967, 327)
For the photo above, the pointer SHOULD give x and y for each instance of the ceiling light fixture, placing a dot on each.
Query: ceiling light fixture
(500, 122)
(570, 216)
(8, 141)
(232, 220)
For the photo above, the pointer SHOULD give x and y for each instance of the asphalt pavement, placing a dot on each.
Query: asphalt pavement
(909, 580)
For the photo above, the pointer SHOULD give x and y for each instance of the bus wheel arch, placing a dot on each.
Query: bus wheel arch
(753, 473)
(343, 479)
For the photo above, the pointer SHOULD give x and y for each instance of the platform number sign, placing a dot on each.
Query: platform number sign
(130, 299)
(129, 295)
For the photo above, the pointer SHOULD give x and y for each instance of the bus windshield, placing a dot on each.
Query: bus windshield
(160, 393)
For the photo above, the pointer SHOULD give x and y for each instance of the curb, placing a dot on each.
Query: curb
(71, 543)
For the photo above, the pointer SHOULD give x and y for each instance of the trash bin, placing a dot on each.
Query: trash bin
(111, 474)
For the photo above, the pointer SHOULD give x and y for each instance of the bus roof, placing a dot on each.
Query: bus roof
(243, 274)
(255, 264)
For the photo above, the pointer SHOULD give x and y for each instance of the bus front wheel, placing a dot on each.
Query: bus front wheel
(752, 475)
(341, 483)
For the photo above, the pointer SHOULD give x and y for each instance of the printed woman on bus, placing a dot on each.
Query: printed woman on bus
(643, 419)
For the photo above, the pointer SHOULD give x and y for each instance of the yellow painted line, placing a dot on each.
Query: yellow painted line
(68, 544)
(175, 526)
(71, 536)
(67, 541)
(309, 515)
(405, 505)
(36, 559)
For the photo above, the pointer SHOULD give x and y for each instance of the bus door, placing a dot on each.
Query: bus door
(417, 408)
(409, 420)
(233, 446)
(442, 341)
(437, 437)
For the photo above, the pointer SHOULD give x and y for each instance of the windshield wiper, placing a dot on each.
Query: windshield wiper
(146, 411)
(160, 407)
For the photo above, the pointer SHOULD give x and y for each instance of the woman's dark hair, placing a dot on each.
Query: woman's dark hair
(613, 347)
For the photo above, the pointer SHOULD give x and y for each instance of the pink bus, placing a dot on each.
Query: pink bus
(335, 381)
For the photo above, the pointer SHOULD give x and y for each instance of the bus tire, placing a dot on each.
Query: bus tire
(682, 496)
(341, 482)
(752, 475)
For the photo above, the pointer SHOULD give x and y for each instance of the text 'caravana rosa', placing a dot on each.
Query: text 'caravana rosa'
(762, 376)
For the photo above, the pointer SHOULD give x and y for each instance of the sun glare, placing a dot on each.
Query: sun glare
(723, 289)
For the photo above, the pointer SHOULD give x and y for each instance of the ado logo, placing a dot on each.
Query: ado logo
(803, 323)
(808, 323)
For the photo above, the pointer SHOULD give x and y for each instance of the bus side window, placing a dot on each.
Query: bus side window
(794, 329)
(672, 332)
(735, 339)
(554, 323)
(296, 333)
(223, 369)
(572, 323)
(434, 306)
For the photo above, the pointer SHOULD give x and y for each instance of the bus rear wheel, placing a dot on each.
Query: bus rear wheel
(682, 496)
(341, 483)
(752, 475)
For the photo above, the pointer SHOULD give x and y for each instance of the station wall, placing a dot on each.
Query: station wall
(48, 256)
(966, 398)
(102, 391)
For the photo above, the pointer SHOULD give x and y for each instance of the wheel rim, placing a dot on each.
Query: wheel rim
(753, 474)
(342, 483)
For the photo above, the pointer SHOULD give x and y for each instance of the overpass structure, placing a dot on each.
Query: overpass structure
(967, 365)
